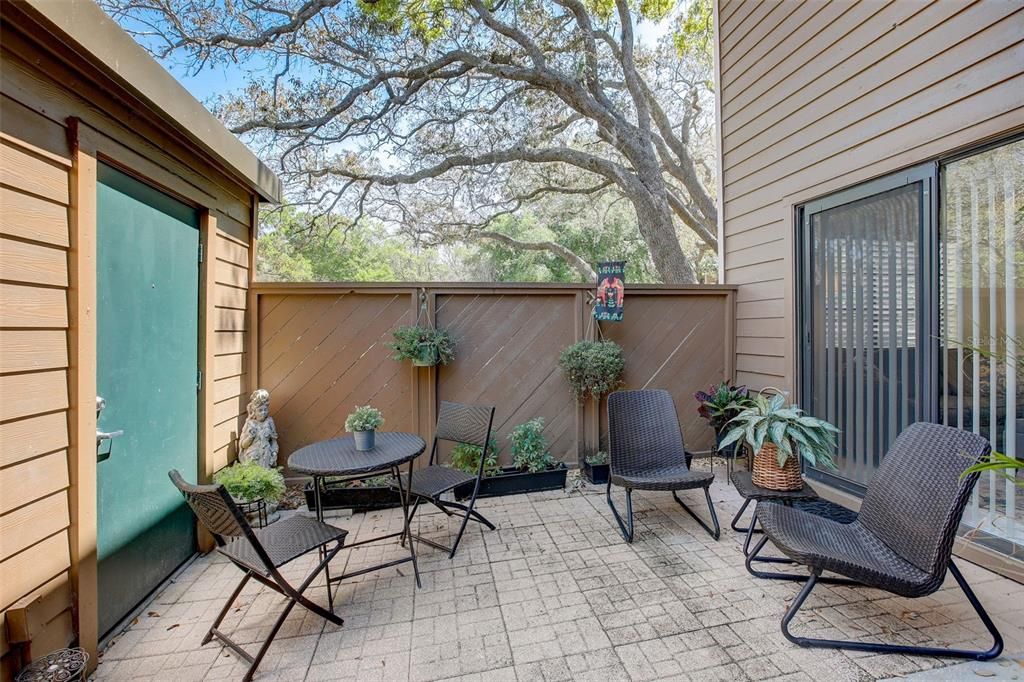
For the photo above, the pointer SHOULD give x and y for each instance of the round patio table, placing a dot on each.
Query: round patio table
(338, 457)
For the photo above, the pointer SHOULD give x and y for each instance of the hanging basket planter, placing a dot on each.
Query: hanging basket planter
(768, 474)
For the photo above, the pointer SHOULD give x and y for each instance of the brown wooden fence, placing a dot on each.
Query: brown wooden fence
(322, 349)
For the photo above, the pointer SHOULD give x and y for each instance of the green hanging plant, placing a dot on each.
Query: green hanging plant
(592, 368)
(425, 346)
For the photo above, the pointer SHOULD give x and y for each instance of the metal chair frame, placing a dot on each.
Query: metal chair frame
(626, 527)
(449, 410)
(237, 525)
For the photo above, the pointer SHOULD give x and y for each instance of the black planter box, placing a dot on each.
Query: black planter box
(596, 473)
(358, 499)
(512, 481)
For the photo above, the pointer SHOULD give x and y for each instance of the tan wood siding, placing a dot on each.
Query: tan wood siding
(34, 239)
(816, 97)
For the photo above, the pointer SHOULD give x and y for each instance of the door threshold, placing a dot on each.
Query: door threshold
(129, 620)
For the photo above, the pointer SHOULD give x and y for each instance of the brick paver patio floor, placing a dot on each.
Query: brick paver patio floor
(555, 594)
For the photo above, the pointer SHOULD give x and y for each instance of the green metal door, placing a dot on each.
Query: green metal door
(147, 361)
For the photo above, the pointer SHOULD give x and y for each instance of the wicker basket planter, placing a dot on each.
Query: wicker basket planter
(768, 474)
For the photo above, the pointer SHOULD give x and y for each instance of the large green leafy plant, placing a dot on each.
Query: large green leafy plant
(466, 457)
(250, 481)
(721, 403)
(423, 345)
(530, 447)
(769, 420)
(592, 368)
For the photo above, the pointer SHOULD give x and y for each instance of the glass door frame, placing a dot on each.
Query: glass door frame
(927, 285)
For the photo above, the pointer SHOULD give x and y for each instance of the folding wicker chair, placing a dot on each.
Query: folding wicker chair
(260, 553)
(456, 423)
(646, 453)
(902, 540)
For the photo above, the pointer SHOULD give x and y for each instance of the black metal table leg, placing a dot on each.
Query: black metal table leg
(406, 496)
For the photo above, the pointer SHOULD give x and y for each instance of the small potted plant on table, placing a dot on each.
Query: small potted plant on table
(363, 424)
(595, 467)
(718, 406)
(424, 346)
(254, 487)
(533, 468)
(779, 435)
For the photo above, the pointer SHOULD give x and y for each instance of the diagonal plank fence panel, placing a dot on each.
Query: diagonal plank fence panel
(321, 349)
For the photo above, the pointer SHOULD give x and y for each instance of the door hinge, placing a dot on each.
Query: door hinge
(200, 252)
(199, 380)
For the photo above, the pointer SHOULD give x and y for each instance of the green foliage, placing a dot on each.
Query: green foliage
(792, 431)
(466, 457)
(597, 459)
(250, 481)
(592, 368)
(530, 447)
(1004, 465)
(423, 345)
(365, 418)
(694, 36)
(721, 403)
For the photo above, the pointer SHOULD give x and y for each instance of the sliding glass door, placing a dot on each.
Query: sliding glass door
(911, 307)
(867, 344)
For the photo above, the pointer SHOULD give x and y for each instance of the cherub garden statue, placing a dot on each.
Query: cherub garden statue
(258, 441)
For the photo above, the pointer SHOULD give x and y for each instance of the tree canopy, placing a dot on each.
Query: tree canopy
(444, 118)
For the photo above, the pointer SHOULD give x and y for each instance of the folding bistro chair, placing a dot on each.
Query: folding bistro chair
(260, 553)
(456, 423)
(646, 452)
(902, 540)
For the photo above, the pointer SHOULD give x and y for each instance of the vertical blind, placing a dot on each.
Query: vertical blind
(982, 271)
(864, 323)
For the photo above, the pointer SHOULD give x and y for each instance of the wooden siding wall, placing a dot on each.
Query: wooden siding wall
(321, 350)
(817, 96)
(44, 94)
(35, 559)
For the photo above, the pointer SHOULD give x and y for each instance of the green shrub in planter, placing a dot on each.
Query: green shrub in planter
(592, 368)
(530, 447)
(251, 481)
(597, 459)
(466, 458)
(425, 346)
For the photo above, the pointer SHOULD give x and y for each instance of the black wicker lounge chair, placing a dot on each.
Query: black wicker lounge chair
(901, 541)
(260, 553)
(646, 453)
(456, 423)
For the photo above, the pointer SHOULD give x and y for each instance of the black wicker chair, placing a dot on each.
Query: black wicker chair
(646, 453)
(902, 540)
(260, 553)
(456, 423)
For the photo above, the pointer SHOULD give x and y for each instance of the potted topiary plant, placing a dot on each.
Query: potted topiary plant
(363, 424)
(779, 435)
(718, 406)
(592, 368)
(425, 346)
(595, 467)
(533, 468)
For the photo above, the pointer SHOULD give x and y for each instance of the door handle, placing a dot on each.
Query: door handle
(107, 435)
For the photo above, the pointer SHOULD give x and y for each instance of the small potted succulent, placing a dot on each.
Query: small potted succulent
(779, 435)
(363, 424)
(595, 467)
(718, 406)
(592, 368)
(533, 468)
(424, 346)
